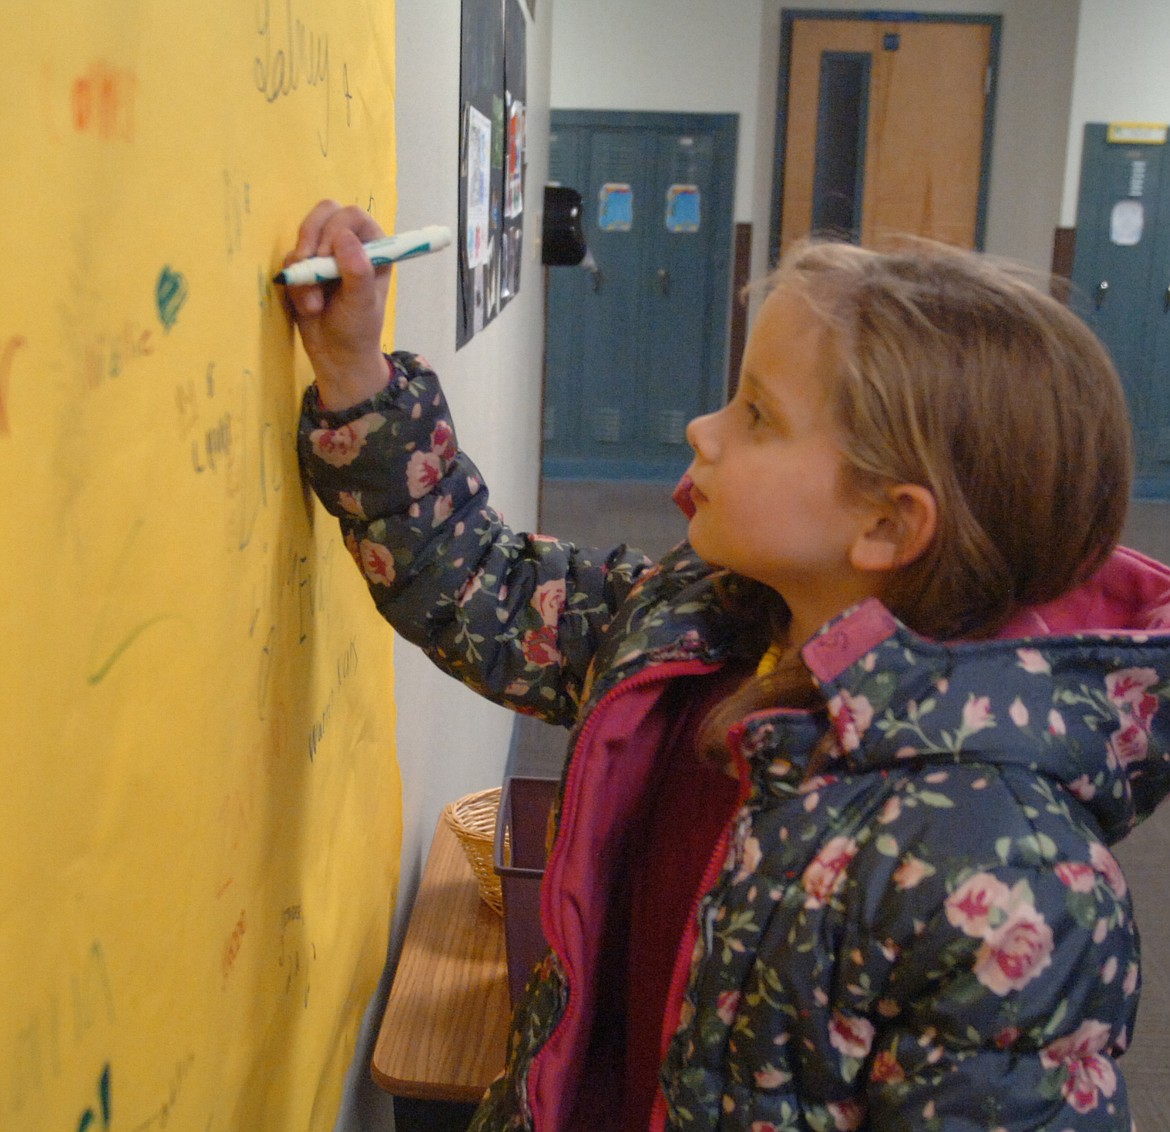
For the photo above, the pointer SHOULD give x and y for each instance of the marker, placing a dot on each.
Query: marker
(389, 249)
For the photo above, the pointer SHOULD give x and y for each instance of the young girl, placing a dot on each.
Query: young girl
(832, 840)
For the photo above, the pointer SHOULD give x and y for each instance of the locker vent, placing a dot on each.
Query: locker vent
(607, 425)
(672, 424)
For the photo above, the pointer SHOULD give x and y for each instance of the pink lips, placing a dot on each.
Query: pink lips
(683, 496)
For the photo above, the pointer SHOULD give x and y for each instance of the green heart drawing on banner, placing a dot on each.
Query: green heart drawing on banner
(170, 295)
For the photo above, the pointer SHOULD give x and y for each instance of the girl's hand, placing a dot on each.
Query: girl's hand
(341, 322)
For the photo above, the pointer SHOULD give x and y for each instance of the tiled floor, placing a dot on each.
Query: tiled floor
(642, 515)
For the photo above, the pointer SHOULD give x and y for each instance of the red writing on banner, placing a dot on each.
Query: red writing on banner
(103, 103)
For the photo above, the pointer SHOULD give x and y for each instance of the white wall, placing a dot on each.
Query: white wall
(1121, 60)
(449, 741)
(665, 55)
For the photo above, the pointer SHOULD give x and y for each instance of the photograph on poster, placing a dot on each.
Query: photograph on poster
(479, 172)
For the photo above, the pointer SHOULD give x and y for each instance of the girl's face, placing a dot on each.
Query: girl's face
(768, 473)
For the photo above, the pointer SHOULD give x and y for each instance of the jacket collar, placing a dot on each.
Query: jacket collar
(1089, 710)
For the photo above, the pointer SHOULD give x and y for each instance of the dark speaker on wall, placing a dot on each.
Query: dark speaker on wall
(563, 240)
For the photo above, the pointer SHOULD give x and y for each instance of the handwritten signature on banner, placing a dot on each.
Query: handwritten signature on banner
(292, 53)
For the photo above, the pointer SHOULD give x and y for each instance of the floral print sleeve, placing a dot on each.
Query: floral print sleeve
(516, 617)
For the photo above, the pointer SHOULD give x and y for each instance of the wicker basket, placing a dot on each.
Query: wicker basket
(472, 819)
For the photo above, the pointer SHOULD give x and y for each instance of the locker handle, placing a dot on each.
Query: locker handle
(595, 278)
(1099, 297)
(1166, 301)
(664, 280)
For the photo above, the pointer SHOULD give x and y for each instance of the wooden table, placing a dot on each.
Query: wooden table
(445, 1028)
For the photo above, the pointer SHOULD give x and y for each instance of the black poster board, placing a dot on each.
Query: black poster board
(492, 160)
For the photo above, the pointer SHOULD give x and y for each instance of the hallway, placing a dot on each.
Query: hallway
(643, 515)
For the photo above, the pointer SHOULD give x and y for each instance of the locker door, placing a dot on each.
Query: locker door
(619, 211)
(1154, 450)
(687, 252)
(1119, 274)
(1154, 440)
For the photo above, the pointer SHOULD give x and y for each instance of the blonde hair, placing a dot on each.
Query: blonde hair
(956, 373)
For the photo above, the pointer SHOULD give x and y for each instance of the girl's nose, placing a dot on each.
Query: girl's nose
(701, 435)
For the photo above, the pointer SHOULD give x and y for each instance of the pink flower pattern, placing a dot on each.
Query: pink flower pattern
(852, 716)
(827, 872)
(1106, 864)
(339, 447)
(977, 714)
(377, 563)
(969, 908)
(727, 1005)
(851, 1036)
(1078, 877)
(540, 647)
(548, 600)
(423, 472)
(1087, 1076)
(1015, 952)
(443, 440)
(847, 1115)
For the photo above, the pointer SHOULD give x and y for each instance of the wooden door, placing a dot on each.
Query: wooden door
(925, 114)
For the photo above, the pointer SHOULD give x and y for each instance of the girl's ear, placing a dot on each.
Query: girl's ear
(900, 529)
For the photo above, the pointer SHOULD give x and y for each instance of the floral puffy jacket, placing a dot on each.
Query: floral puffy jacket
(931, 934)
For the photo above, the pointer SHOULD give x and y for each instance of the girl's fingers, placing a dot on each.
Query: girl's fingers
(308, 300)
(351, 219)
(330, 229)
(351, 256)
(309, 235)
(325, 223)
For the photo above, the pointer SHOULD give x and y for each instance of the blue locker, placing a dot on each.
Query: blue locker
(637, 336)
(1121, 278)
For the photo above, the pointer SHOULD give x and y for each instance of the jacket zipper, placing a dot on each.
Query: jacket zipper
(666, 671)
(682, 959)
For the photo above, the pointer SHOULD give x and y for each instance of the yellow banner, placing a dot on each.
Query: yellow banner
(201, 810)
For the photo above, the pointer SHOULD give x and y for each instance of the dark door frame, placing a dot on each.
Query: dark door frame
(788, 19)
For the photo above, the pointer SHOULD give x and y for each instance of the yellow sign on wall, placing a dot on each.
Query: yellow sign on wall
(201, 812)
(1136, 133)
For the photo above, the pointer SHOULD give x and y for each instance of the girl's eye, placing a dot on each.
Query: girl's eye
(754, 414)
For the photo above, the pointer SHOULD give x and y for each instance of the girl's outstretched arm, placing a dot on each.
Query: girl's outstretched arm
(515, 617)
